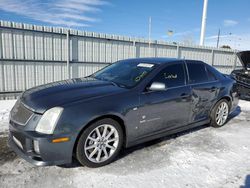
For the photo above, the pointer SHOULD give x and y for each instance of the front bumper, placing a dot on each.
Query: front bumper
(22, 142)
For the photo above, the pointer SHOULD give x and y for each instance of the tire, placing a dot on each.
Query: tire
(219, 113)
(90, 145)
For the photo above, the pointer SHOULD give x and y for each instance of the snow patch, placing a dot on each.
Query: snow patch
(5, 107)
(201, 157)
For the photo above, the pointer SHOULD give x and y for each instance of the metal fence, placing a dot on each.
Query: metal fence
(32, 55)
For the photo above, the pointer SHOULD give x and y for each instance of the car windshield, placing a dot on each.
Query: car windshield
(125, 73)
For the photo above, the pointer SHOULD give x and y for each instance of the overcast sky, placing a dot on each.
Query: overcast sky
(130, 17)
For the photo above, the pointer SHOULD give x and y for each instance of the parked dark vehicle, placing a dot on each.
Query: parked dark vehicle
(242, 76)
(124, 104)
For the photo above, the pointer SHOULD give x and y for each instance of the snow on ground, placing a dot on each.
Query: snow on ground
(5, 107)
(201, 157)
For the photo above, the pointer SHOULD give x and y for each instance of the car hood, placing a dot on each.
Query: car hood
(41, 98)
(244, 57)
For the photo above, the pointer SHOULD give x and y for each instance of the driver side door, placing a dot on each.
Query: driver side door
(167, 109)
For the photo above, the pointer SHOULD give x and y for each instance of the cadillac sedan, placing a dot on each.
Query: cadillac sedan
(124, 104)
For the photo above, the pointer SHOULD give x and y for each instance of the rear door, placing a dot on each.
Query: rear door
(205, 88)
(165, 110)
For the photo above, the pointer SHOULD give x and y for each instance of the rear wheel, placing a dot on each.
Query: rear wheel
(100, 143)
(220, 113)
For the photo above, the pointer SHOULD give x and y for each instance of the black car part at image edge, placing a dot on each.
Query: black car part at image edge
(242, 76)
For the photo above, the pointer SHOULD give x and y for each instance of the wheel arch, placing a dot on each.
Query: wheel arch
(111, 116)
(228, 98)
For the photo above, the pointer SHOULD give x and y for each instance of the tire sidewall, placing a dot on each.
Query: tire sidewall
(80, 152)
(213, 122)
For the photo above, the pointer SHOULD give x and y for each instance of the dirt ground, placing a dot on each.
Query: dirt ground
(201, 157)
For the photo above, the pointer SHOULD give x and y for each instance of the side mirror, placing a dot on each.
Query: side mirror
(157, 86)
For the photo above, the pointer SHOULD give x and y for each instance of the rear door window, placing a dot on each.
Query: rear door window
(197, 72)
(210, 74)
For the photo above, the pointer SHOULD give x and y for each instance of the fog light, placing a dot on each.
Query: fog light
(36, 146)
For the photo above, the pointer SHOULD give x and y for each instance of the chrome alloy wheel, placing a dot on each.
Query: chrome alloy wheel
(101, 143)
(222, 113)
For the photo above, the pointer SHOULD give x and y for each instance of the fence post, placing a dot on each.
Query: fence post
(137, 50)
(235, 60)
(68, 53)
(156, 48)
(178, 51)
(13, 57)
(24, 57)
(212, 57)
(2, 65)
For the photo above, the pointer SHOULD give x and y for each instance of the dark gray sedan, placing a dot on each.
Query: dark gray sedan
(127, 103)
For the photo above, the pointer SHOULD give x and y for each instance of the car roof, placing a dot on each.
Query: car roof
(157, 60)
(153, 60)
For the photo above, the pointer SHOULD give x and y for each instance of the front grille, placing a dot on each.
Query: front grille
(20, 114)
(242, 79)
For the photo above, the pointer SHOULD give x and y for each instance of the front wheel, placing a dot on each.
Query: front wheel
(100, 143)
(220, 113)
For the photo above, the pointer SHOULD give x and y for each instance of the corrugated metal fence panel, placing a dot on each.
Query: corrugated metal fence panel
(9, 76)
(7, 46)
(166, 51)
(29, 45)
(20, 76)
(2, 72)
(89, 50)
(102, 53)
(18, 45)
(33, 55)
(144, 50)
(40, 72)
(49, 72)
(224, 58)
(82, 70)
(1, 48)
(48, 50)
(81, 49)
(57, 48)
(38, 39)
(108, 52)
(224, 61)
(30, 74)
(196, 54)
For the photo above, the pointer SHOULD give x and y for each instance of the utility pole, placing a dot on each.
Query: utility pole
(149, 32)
(218, 39)
(68, 53)
(203, 23)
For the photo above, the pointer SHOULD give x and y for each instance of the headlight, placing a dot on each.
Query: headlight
(48, 122)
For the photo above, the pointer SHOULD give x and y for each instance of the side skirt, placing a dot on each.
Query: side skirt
(163, 133)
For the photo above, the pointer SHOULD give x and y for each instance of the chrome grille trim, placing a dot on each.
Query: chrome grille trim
(20, 114)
